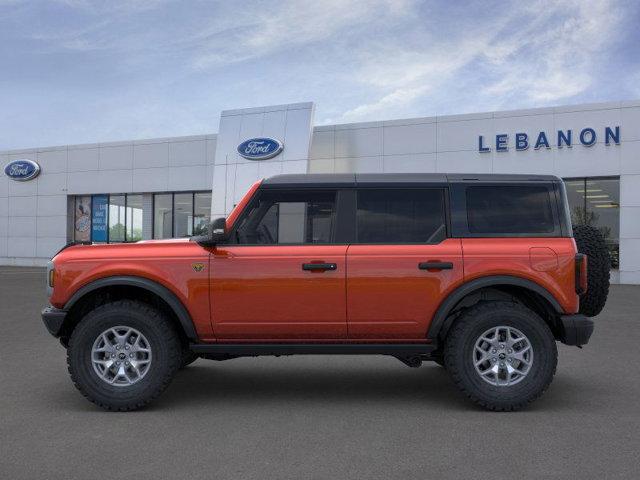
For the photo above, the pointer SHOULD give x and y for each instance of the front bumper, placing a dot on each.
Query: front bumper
(53, 319)
(576, 329)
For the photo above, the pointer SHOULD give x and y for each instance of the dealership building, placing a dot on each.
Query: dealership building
(171, 187)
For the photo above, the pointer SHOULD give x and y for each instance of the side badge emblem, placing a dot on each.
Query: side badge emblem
(198, 267)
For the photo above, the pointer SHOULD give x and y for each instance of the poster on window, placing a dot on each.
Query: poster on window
(82, 219)
(99, 213)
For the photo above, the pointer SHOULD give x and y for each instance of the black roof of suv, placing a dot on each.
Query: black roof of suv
(397, 179)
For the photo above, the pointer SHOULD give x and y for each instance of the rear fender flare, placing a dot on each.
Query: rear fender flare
(440, 322)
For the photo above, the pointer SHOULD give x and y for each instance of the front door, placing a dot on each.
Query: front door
(401, 264)
(280, 276)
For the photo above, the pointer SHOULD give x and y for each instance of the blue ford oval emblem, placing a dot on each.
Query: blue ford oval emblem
(260, 148)
(22, 170)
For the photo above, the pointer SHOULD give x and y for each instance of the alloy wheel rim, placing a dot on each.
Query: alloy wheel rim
(502, 356)
(121, 356)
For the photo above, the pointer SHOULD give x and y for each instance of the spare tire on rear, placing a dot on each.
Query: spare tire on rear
(590, 241)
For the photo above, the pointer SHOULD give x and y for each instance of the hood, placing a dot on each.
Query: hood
(175, 247)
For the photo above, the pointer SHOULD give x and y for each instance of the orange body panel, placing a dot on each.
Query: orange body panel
(167, 262)
(389, 297)
(262, 292)
(375, 293)
(549, 262)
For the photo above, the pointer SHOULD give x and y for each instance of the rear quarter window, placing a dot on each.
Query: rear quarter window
(514, 209)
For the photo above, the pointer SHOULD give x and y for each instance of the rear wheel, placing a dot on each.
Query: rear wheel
(123, 355)
(501, 355)
(439, 360)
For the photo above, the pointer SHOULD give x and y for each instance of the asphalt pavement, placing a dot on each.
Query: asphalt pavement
(313, 417)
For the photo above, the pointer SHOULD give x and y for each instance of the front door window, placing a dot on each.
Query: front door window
(288, 218)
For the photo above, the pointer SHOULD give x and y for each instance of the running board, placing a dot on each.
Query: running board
(257, 349)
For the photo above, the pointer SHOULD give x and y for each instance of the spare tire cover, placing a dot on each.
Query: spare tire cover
(591, 242)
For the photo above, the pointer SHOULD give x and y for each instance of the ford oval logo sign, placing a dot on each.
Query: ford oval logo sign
(22, 170)
(260, 148)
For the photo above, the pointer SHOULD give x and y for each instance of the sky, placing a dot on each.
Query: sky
(80, 71)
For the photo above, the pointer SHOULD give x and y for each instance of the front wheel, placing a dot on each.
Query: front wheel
(501, 355)
(188, 357)
(123, 355)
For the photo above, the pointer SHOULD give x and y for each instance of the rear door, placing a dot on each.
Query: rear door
(401, 264)
(281, 276)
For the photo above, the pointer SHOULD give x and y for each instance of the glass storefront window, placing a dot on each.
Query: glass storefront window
(134, 218)
(201, 212)
(117, 218)
(105, 218)
(99, 216)
(162, 215)
(183, 214)
(596, 202)
(82, 219)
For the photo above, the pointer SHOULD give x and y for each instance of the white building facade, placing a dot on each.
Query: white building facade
(171, 187)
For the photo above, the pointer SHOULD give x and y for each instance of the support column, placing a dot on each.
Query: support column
(291, 124)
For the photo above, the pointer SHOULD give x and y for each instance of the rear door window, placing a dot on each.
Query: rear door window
(401, 216)
(513, 209)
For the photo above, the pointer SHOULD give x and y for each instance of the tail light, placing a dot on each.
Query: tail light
(581, 273)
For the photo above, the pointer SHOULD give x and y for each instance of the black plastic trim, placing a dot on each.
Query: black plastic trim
(576, 329)
(345, 228)
(53, 319)
(253, 349)
(439, 323)
(319, 266)
(164, 293)
(346, 180)
(435, 265)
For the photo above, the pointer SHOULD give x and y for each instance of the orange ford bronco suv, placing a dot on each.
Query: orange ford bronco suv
(479, 273)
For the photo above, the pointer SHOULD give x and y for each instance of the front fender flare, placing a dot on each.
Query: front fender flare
(161, 291)
(439, 322)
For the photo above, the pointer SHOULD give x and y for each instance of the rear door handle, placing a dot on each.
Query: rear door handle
(319, 266)
(435, 266)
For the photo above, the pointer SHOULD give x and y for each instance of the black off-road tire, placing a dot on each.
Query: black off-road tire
(460, 344)
(439, 360)
(188, 357)
(163, 340)
(589, 241)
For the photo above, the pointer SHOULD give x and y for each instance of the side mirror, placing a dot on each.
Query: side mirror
(218, 229)
(216, 233)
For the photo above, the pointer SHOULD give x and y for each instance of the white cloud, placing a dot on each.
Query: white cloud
(253, 33)
(544, 51)
(557, 62)
(166, 67)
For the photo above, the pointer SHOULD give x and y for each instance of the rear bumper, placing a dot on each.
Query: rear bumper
(576, 329)
(53, 319)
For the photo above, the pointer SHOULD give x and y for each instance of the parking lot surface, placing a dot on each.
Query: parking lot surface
(316, 417)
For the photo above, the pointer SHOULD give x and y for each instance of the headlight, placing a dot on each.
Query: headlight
(51, 274)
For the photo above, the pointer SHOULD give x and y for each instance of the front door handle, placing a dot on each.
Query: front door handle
(435, 266)
(319, 266)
